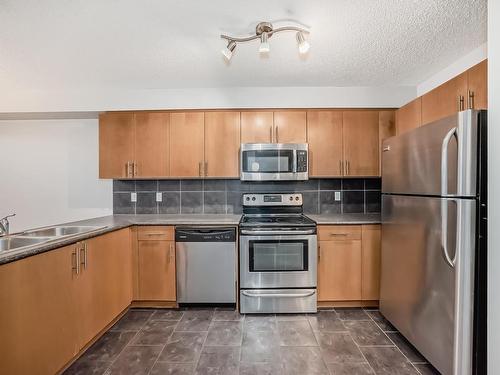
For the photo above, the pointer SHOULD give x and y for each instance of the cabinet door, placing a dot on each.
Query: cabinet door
(256, 127)
(477, 77)
(370, 262)
(37, 314)
(324, 135)
(105, 282)
(151, 144)
(361, 143)
(157, 271)
(222, 144)
(339, 270)
(445, 100)
(186, 144)
(409, 116)
(116, 144)
(290, 127)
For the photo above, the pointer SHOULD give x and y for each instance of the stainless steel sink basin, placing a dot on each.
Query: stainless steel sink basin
(60, 231)
(13, 243)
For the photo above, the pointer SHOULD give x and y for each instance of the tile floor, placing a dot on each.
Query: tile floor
(220, 341)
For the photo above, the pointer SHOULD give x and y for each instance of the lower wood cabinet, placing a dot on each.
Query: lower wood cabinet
(348, 263)
(156, 264)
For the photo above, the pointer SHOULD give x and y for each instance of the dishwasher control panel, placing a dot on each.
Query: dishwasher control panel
(205, 234)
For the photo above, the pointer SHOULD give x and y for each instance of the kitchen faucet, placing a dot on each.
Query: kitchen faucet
(4, 225)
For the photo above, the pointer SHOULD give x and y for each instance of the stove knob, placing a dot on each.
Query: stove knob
(253, 198)
(247, 198)
(296, 198)
(291, 198)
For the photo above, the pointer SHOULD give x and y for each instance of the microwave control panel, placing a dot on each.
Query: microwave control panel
(301, 161)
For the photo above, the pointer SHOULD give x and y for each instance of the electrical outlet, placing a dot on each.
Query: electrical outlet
(133, 197)
(159, 197)
(337, 195)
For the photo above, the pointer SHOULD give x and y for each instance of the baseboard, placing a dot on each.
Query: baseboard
(154, 304)
(323, 304)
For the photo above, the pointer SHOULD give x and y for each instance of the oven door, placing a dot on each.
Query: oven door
(278, 261)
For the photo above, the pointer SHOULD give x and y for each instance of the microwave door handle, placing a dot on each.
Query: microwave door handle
(294, 161)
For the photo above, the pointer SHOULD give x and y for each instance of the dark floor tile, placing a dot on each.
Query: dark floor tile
(195, 320)
(169, 185)
(388, 361)
(214, 185)
(108, 346)
(123, 186)
(426, 369)
(228, 315)
(133, 320)
(381, 321)
(155, 332)
(367, 333)
(353, 184)
(310, 201)
(353, 202)
(87, 367)
(350, 369)
(214, 202)
(191, 202)
(135, 360)
(224, 334)
(260, 346)
(261, 368)
(146, 203)
(326, 321)
(330, 184)
(296, 333)
(167, 314)
(290, 317)
(406, 348)
(183, 347)
(170, 203)
(260, 322)
(219, 360)
(122, 204)
(300, 361)
(166, 368)
(352, 314)
(338, 347)
(146, 185)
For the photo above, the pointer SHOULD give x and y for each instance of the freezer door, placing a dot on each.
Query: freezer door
(427, 269)
(436, 159)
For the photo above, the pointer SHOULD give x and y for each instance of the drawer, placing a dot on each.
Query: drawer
(155, 233)
(339, 232)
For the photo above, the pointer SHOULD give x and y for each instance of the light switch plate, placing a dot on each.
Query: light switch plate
(337, 195)
(159, 197)
(133, 197)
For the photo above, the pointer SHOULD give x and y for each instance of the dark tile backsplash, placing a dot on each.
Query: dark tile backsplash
(224, 196)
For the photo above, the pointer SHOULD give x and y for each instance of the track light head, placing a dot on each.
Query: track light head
(302, 43)
(264, 43)
(228, 51)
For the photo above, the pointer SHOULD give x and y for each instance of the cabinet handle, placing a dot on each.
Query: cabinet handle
(340, 167)
(271, 134)
(470, 95)
(171, 248)
(154, 234)
(75, 258)
(199, 169)
(135, 170)
(347, 167)
(319, 253)
(84, 249)
(276, 131)
(206, 168)
(338, 234)
(129, 168)
(460, 103)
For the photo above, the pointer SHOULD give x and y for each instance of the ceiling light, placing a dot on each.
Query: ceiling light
(264, 43)
(303, 43)
(264, 31)
(228, 51)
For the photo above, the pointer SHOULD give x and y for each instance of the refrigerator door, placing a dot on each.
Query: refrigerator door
(427, 269)
(437, 159)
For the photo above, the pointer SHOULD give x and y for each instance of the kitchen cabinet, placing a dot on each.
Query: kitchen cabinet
(290, 127)
(156, 274)
(477, 80)
(186, 144)
(361, 146)
(409, 116)
(116, 145)
(324, 136)
(257, 127)
(222, 144)
(370, 262)
(151, 144)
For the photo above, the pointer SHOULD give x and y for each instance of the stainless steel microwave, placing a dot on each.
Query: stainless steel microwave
(274, 161)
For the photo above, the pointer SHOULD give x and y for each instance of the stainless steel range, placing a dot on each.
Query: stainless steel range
(278, 255)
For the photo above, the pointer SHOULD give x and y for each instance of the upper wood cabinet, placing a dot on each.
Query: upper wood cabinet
(409, 116)
(324, 136)
(290, 127)
(222, 144)
(361, 143)
(116, 145)
(477, 95)
(187, 138)
(370, 262)
(257, 127)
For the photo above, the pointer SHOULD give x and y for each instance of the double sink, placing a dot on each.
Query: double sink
(31, 238)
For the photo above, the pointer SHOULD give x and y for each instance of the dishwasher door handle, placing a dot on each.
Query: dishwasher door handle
(278, 295)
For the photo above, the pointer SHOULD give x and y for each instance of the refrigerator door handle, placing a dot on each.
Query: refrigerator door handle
(444, 233)
(444, 160)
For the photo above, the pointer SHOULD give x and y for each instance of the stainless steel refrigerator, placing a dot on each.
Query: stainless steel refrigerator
(433, 281)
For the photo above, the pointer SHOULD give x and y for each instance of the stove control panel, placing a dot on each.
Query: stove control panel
(272, 199)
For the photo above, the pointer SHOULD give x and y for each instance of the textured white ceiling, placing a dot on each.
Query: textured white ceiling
(173, 44)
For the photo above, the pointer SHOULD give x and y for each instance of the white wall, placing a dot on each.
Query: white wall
(493, 186)
(465, 62)
(49, 172)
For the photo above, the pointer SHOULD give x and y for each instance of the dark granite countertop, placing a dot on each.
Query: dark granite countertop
(346, 218)
(115, 222)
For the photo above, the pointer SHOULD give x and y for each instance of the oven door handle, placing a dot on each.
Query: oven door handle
(278, 232)
(277, 295)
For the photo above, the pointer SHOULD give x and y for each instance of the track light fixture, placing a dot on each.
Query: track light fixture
(264, 31)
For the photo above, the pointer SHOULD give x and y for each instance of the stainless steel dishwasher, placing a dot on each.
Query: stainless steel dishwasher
(206, 264)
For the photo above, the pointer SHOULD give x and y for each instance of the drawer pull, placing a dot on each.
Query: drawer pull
(155, 234)
(339, 234)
